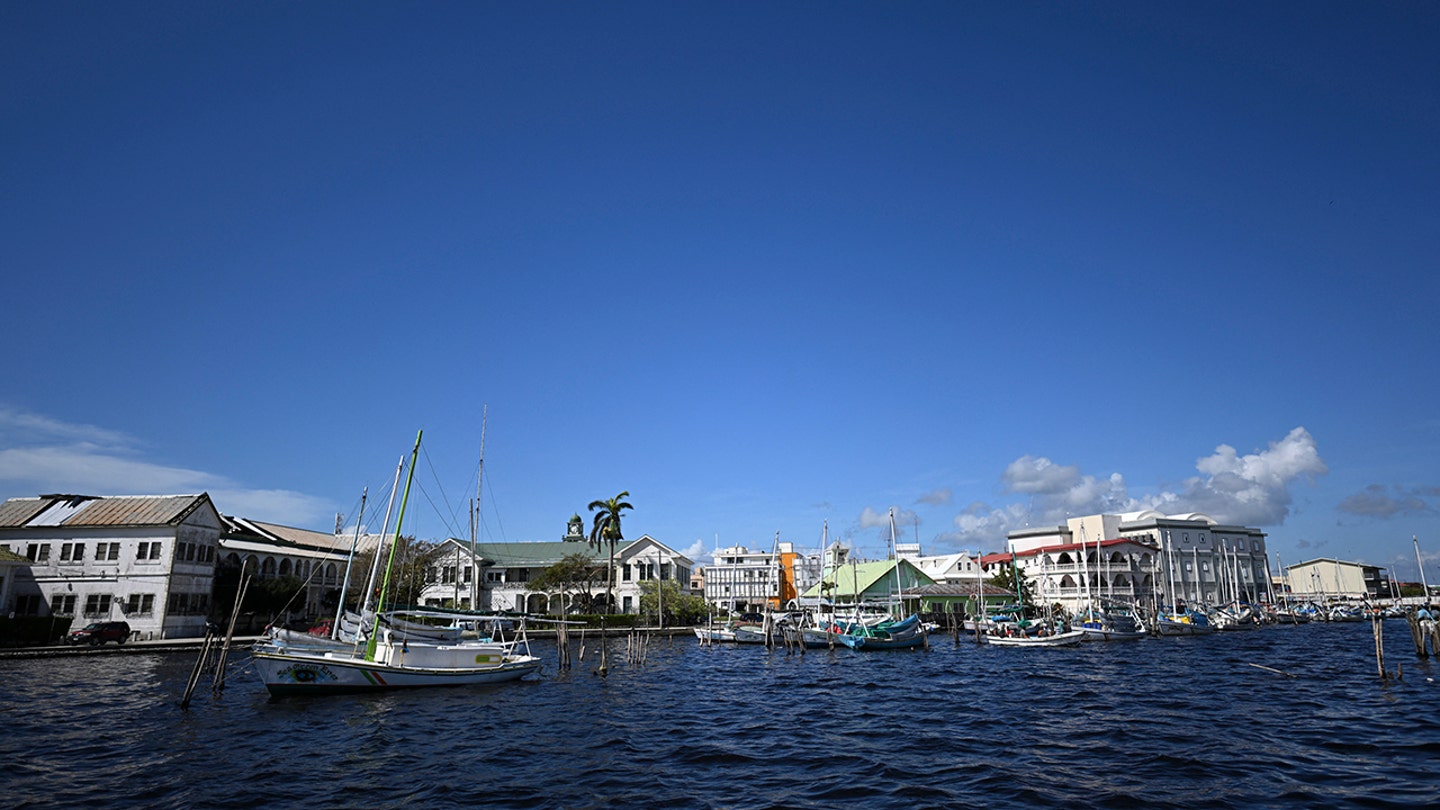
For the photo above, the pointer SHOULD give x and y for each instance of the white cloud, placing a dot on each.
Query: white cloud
(697, 552)
(1250, 490)
(870, 519)
(936, 497)
(44, 455)
(21, 427)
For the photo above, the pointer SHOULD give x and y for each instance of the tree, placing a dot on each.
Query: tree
(1007, 579)
(575, 574)
(606, 532)
(679, 607)
(407, 578)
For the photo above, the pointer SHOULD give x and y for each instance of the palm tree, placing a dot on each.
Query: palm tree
(606, 532)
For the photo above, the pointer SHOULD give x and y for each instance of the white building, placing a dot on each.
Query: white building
(1318, 579)
(1145, 557)
(961, 568)
(317, 560)
(507, 569)
(741, 580)
(146, 560)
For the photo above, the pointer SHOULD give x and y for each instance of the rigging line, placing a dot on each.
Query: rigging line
(445, 499)
(449, 526)
(489, 485)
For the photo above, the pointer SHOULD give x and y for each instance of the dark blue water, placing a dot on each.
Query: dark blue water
(1181, 723)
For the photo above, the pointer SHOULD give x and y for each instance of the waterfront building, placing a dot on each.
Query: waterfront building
(740, 580)
(146, 560)
(1320, 579)
(961, 568)
(10, 563)
(271, 551)
(506, 569)
(880, 582)
(1144, 557)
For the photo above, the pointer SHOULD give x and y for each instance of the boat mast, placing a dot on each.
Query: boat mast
(349, 561)
(895, 553)
(475, 516)
(399, 520)
(1170, 574)
(1424, 588)
(380, 545)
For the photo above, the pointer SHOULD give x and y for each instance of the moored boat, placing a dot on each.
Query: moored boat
(1068, 638)
(384, 658)
(394, 665)
(906, 633)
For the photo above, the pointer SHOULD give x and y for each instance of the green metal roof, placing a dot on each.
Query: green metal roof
(535, 555)
(871, 579)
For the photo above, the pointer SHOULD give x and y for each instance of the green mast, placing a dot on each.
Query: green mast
(385, 585)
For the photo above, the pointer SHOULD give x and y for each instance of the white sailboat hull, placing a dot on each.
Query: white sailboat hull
(1067, 639)
(318, 672)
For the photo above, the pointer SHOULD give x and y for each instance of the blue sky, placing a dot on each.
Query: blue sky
(761, 264)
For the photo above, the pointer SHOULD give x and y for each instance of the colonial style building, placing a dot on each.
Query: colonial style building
(1144, 557)
(506, 569)
(268, 551)
(147, 560)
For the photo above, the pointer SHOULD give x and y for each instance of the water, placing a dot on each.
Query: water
(1184, 722)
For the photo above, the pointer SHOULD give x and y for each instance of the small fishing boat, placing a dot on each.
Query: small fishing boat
(1110, 624)
(1183, 623)
(715, 634)
(1068, 638)
(891, 635)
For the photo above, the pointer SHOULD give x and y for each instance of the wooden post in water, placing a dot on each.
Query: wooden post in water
(199, 668)
(218, 685)
(1417, 634)
(1377, 626)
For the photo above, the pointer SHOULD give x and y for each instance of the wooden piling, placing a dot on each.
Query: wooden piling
(1377, 626)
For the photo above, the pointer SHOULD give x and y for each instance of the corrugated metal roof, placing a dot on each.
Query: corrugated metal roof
(90, 510)
(301, 537)
(136, 510)
(17, 512)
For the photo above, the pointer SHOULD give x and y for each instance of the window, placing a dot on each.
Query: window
(140, 604)
(27, 605)
(107, 551)
(63, 604)
(145, 552)
(38, 552)
(72, 552)
(97, 604)
(188, 603)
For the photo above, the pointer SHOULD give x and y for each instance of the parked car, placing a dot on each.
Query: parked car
(97, 633)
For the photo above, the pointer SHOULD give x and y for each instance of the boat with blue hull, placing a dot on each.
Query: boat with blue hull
(906, 633)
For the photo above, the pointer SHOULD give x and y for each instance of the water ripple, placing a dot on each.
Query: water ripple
(1161, 723)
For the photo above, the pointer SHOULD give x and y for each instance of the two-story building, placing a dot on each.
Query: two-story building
(315, 560)
(496, 575)
(146, 560)
(1142, 557)
(1321, 579)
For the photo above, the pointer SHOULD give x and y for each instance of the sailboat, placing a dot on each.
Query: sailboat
(889, 634)
(387, 659)
(1101, 619)
(1024, 633)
